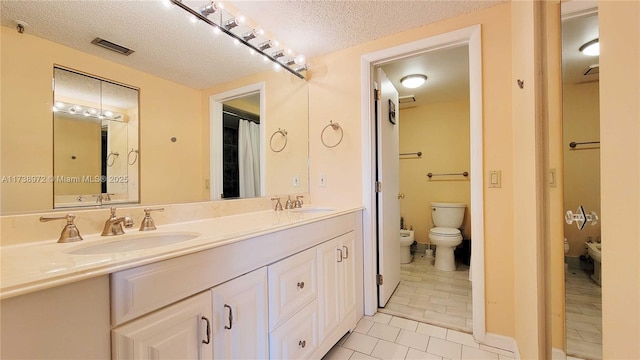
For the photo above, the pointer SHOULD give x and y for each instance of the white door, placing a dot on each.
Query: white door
(388, 173)
(240, 326)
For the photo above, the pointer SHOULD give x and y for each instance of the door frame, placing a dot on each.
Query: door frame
(215, 135)
(470, 36)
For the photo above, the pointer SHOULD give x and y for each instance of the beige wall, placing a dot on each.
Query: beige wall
(77, 153)
(170, 172)
(581, 122)
(619, 23)
(441, 132)
(332, 97)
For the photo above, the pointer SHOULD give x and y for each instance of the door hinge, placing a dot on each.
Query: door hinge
(377, 94)
(379, 279)
(378, 186)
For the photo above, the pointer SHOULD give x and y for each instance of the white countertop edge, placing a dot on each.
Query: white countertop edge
(152, 255)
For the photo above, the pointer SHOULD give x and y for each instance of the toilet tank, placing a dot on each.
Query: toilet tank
(448, 215)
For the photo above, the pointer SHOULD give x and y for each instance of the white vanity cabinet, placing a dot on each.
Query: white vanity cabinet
(180, 331)
(240, 325)
(337, 287)
(286, 294)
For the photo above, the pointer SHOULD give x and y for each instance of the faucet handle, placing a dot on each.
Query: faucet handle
(299, 201)
(278, 206)
(70, 232)
(147, 223)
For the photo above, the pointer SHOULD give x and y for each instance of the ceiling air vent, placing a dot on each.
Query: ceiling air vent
(112, 46)
(407, 99)
(592, 69)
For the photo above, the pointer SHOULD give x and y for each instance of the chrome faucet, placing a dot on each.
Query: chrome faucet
(113, 225)
(148, 223)
(70, 232)
(298, 202)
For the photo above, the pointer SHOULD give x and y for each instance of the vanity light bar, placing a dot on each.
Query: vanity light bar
(78, 110)
(223, 28)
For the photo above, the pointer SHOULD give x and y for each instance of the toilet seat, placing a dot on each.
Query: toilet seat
(445, 232)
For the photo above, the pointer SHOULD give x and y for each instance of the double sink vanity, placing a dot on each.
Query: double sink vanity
(266, 284)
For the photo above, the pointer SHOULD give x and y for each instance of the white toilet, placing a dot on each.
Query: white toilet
(445, 235)
(406, 239)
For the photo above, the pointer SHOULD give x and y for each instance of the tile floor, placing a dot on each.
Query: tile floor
(429, 295)
(583, 310)
(384, 336)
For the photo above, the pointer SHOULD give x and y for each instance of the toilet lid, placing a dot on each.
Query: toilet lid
(442, 231)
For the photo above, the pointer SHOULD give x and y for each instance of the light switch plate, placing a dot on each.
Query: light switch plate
(296, 181)
(495, 178)
(323, 180)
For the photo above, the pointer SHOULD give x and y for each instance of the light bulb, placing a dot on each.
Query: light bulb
(592, 48)
(252, 52)
(77, 107)
(236, 42)
(216, 30)
(55, 109)
(289, 51)
(277, 67)
(300, 59)
(86, 113)
(93, 111)
(193, 19)
(240, 19)
(265, 58)
(167, 4)
(413, 81)
(108, 113)
(59, 105)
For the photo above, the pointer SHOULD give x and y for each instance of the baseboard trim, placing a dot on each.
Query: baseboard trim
(502, 342)
(558, 354)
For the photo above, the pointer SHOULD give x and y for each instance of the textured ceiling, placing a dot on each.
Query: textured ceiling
(167, 44)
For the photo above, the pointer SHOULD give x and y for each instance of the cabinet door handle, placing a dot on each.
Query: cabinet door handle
(340, 252)
(346, 252)
(302, 343)
(301, 284)
(230, 317)
(208, 330)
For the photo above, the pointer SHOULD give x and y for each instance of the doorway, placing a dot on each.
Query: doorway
(471, 37)
(432, 125)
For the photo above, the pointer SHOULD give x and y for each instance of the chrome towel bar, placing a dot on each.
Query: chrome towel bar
(465, 174)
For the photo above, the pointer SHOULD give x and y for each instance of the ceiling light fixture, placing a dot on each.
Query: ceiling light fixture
(591, 48)
(413, 81)
(253, 39)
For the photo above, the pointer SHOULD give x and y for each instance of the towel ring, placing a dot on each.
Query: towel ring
(282, 132)
(334, 126)
(111, 158)
(135, 152)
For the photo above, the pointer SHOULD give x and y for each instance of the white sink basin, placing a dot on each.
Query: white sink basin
(134, 242)
(595, 251)
(312, 209)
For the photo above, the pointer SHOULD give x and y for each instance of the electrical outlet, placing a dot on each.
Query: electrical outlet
(296, 181)
(323, 180)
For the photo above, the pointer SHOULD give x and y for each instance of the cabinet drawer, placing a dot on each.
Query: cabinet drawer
(298, 337)
(292, 285)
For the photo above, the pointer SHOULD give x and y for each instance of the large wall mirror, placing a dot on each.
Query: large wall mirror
(581, 154)
(176, 66)
(95, 140)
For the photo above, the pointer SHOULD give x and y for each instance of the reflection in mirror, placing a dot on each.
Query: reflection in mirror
(95, 123)
(241, 147)
(177, 67)
(581, 152)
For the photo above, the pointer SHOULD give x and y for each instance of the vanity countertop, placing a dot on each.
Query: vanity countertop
(36, 266)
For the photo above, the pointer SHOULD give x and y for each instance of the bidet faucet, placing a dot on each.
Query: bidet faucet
(113, 225)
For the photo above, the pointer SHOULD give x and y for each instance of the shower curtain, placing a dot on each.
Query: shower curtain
(249, 158)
